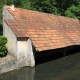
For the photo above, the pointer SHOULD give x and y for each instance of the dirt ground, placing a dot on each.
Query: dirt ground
(7, 58)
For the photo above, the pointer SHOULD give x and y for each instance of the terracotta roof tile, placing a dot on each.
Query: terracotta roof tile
(46, 31)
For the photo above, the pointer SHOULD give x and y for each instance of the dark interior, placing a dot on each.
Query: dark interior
(49, 55)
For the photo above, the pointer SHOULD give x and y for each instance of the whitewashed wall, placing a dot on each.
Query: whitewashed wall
(25, 50)
(6, 15)
(12, 40)
(7, 32)
(30, 54)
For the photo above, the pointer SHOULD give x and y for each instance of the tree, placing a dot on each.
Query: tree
(20, 3)
(70, 8)
(2, 2)
(48, 6)
(3, 49)
(73, 11)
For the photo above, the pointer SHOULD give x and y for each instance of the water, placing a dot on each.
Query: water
(63, 68)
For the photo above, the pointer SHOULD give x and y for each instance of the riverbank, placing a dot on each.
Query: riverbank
(10, 63)
(6, 63)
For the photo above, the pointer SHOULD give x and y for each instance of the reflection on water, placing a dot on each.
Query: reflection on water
(63, 68)
(21, 74)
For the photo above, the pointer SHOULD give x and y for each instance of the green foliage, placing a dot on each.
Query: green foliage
(73, 11)
(48, 6)
(3, 50)
(3, 41)
(70, 8)
(19, 3)
(23, 4)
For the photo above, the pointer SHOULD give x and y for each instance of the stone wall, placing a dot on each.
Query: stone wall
(25, 50)
(10, 63)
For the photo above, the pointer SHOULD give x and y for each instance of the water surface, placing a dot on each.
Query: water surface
(63, 68)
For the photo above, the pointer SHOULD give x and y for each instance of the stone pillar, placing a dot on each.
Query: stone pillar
(30, 54)
(25, 51)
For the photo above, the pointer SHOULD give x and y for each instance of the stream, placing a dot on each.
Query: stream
(62, 68)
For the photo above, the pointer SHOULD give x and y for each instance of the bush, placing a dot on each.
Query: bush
(3, 49)
(3, 40)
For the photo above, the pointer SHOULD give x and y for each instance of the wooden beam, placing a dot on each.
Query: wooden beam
(64, 53)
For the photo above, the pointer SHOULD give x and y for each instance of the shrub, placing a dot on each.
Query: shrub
(3, 40)
(3, 49)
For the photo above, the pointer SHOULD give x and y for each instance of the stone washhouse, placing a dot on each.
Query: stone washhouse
(29, 31)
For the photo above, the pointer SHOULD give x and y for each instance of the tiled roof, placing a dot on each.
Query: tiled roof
(46, 31)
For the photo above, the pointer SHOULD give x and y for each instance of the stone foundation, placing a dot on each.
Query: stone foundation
(10, 63)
